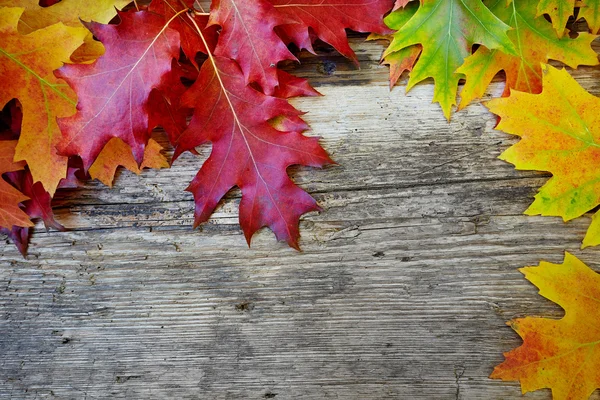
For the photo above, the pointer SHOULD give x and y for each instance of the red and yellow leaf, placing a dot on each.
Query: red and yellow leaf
(564, 354)
(113, 91)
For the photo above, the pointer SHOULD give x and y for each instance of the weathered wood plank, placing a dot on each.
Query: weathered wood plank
(402, 290)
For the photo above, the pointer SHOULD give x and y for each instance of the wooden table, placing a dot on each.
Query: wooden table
(402, 290)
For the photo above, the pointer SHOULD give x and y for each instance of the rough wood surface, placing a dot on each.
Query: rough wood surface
(402, 291)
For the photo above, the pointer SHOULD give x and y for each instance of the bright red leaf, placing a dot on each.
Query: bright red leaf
(247, 152)
(113, 91)
(329, 19)
(248, 37)
(191, 42)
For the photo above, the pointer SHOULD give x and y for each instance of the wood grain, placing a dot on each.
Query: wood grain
(402, 290)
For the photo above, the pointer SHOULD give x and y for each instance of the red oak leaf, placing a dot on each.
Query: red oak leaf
(248, 37)
(164, 105)
(247, 152)
(328, 19)
(39, 205)
(191, 42)
(113, 91)
(292, 86)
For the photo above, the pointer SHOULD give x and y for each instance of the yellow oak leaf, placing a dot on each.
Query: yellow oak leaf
(70, 13)
(118, 153)
(563, 354)
(27, 63)
(560, 133)
(592, 238)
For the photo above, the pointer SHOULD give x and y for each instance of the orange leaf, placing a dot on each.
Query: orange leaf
(117, 153)
(10, 212)
(27, 63)
(564, 354)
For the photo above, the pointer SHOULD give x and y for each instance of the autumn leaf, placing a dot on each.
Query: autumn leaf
(404, 59)
(70, 13)
(590, 11)
(27, 63)
(592, 238)
(247, 152)
(164, 104)
(113, 91)
(191, 43)
(564, 354)
(329, 19)
(536, 42)
(116, 153)
(447, 29)
(559, 11)
(10, 198)
(248, 37)
(560, 133)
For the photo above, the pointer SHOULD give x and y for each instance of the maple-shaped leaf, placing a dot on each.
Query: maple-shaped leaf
(559, 11)
(536, 43)
(329, 19)
(590, 11)
(191, 42)
(404, 59)
(27, 63)
(247, 152)
(447, 30)
(560, 133)
(117, 153)
(248, 37)
(564, 354)
(10, 198)
(114, 90)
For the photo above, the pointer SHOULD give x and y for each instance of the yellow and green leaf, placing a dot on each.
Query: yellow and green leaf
(536, 42)
(447, 30)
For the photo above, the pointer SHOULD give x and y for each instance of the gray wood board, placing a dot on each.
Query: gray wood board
(402, 290)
